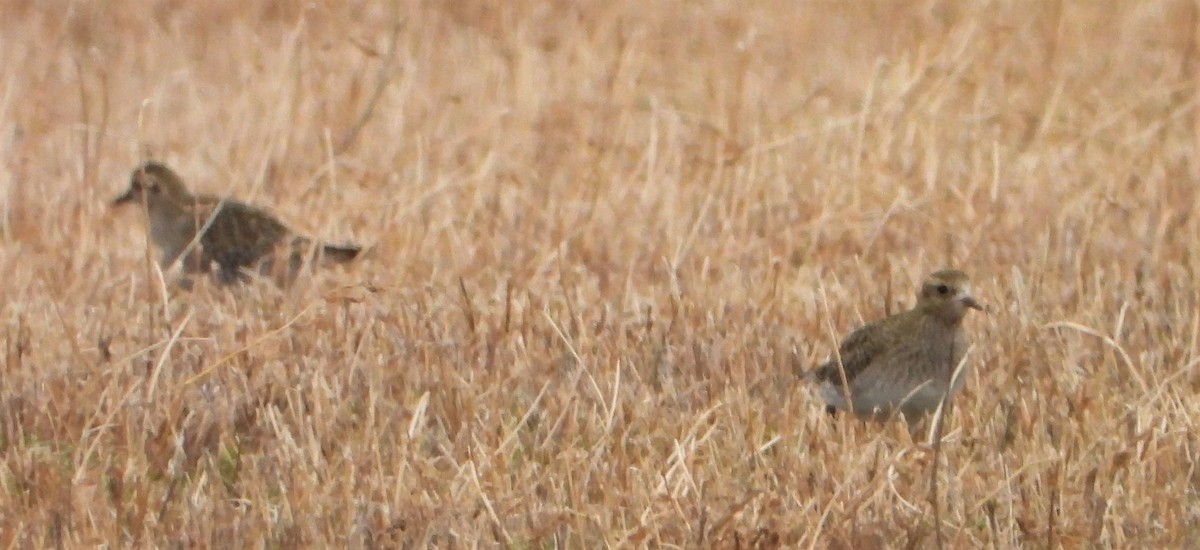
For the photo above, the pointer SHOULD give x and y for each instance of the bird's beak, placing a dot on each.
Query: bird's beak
(125, 198)
(971, 303)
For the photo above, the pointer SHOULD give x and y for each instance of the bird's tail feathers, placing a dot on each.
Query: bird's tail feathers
(341, 253)
(304, 249)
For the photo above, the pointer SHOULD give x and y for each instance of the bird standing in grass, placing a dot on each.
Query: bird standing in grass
(204, 231)
(906, 362)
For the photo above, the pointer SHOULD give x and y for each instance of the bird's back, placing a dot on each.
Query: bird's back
(864, 347)
(239, 234)
(903, 359)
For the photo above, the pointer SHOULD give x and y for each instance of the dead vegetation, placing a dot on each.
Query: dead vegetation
(606, 237)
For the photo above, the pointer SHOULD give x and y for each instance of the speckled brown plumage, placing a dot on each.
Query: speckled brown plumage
(903, 363)
(234, 238)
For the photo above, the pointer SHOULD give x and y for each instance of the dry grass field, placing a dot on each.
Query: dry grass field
(606, 238)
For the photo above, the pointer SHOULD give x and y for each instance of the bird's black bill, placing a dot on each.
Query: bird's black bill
(123, 199)
(971, 303)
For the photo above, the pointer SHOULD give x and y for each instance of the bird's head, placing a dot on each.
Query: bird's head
(153, 182)
(946, 294)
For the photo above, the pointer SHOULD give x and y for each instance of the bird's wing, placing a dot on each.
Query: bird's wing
(857, 352)
(240, 234)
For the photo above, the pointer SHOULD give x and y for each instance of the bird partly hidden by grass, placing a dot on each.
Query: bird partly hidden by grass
(207, 233)
(904, 363)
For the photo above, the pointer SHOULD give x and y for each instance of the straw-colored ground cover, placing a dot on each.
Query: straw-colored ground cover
(606, 237)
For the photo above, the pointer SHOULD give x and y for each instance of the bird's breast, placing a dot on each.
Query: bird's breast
(944, 346)
(171, 230)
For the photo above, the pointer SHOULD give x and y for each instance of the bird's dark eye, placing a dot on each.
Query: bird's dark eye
(147, 184)
(943, 289)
